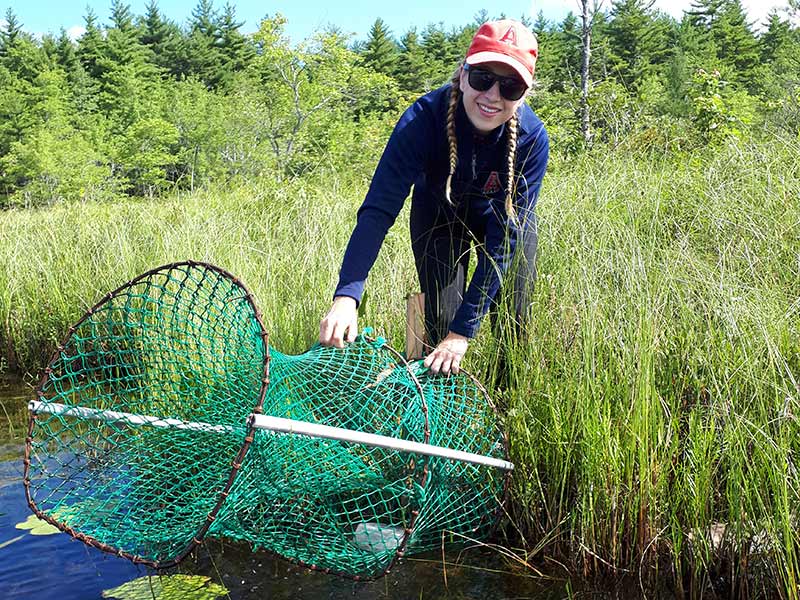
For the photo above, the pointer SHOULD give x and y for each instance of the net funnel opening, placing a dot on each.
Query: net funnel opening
(154, 427)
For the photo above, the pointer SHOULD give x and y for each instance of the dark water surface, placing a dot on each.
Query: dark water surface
(59, 567)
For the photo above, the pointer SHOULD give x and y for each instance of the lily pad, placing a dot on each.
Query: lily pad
(168, 587)
(37, 527)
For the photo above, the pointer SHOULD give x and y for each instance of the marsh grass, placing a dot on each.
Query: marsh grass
(652, 404)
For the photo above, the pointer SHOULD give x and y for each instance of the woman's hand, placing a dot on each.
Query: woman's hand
(340, 325)
(446, 357)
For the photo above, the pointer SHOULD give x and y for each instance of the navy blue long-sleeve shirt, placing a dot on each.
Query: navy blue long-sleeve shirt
(418, 154)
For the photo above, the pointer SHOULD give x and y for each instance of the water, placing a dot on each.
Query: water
(59, 567)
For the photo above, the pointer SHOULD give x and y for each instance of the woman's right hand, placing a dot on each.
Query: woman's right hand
(340, 325)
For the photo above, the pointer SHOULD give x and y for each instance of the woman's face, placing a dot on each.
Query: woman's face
(488, 110)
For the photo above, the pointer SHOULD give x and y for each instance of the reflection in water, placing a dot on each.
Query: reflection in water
(14, 397)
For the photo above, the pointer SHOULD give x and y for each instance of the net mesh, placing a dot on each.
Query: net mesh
(144, 440)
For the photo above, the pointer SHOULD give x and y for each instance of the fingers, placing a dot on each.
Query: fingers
(443, 361)
(446, 357)
(352, 332)
(335, 333)
(340, 325)
(329, 332)
(325, 332)
(337, 337)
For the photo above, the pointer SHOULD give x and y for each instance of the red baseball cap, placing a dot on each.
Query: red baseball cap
(508, 42)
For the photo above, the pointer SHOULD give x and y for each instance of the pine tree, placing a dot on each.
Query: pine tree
(19, 52)
(204, 19)
(410, 63)
(122, 45)
(704, 13)
(80, 83)
(10, 32)
(122, 48)
(481, 17)
(777, 36)
(380, 52)
(66, 53)
(121, 17)
(202, 47)
(637, 41)
(779, 69)
(459, 40)
(721, 31)
(53, 159)
(164, 40)
(236, 49)
(90, 45)
(736, 43)
(49, 48)
(438, 64)
(543, 30)
(565, 49)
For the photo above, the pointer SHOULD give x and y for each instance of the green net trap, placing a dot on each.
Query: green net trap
(165, 417)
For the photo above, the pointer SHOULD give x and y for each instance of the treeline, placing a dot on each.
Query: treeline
(142, 105)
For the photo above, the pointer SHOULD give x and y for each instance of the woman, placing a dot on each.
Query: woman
(476, 155)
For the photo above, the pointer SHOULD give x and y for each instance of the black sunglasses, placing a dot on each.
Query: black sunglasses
(480, 80)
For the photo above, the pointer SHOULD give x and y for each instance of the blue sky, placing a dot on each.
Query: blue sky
(304, 16)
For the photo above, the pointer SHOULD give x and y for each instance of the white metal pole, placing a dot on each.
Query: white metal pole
(276, 424)
(370, 439)
(113, 416)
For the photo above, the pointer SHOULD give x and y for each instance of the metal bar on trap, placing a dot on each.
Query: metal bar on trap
(275, 424)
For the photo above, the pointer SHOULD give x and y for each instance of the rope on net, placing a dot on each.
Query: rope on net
(165, 417)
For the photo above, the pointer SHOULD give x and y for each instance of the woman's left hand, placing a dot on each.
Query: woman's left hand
(446, 357)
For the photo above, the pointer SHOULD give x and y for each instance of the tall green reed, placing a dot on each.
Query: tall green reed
(654, 407)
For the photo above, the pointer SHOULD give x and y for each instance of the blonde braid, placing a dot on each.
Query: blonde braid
(455, 98)
(512, 157)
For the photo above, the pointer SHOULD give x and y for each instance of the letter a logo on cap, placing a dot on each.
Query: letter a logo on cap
(510, 37)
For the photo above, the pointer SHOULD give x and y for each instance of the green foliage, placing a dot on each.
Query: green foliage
(243, 104)
(664, 334)
(147, 153)
(719, 29)
(719, 111)
(164, 41)
(53, 159)
(638, 42)
(736, 43)
(614, 113)
(10, 33)
(380, 52)
(305, 91)
(565, 48)
(411, 63)
(207, 132)
(237, 50)
(90, 45)
(22, 57)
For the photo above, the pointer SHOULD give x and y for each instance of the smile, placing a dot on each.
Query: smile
(488, 109)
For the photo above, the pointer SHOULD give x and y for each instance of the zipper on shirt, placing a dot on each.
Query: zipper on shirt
(474, 161)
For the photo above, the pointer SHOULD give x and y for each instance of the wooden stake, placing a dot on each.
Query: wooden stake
(415, 326)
